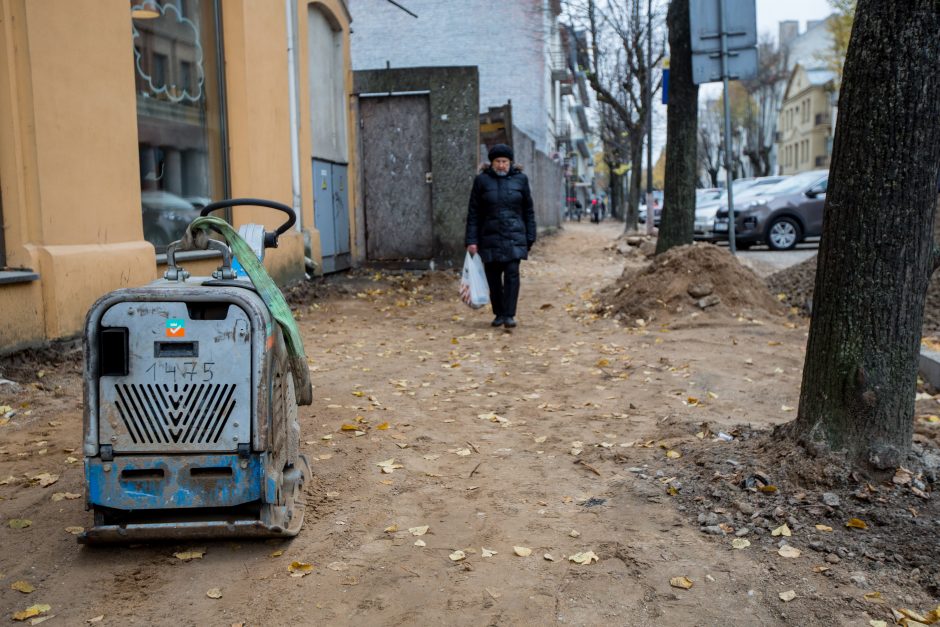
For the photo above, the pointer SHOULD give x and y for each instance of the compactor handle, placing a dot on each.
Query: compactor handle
(270, 238)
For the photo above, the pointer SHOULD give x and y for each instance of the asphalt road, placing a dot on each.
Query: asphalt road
(765, 261)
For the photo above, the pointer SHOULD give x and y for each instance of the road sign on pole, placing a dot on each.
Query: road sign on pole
(742, 66)
(724, 47)
(705, 25)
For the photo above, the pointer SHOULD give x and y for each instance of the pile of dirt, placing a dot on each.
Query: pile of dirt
(858, 530)
(61, 357)
(796, 283)
(688, 279)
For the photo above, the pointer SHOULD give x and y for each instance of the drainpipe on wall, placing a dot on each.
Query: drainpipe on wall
(296, 201)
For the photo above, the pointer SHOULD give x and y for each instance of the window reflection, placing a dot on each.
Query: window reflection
(179, 117)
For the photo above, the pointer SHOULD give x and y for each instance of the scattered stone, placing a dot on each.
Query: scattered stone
(700, 290)
(743, 531)
(830, 499)
(708, 301)
(709, 519)
(832, 558)
(816, 545)
(858, 579)
(745, 508)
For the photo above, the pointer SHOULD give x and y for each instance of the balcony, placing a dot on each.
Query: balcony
(821, 119)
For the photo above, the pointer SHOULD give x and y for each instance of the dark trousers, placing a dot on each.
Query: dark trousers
(503, 278)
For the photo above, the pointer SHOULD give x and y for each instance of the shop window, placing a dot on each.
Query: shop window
(180, 113)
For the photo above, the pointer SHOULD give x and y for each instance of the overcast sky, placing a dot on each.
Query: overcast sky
(772, 12)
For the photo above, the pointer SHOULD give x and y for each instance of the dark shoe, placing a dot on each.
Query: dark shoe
(509, 322)
(498, 322)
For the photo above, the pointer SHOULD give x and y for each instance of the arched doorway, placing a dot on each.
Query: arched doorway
(329, 148)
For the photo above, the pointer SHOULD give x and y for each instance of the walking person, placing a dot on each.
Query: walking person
(501, 229)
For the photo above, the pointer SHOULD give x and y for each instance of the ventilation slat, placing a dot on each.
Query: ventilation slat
(192, 413)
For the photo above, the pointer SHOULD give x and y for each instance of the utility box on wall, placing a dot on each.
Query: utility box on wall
(331, 215)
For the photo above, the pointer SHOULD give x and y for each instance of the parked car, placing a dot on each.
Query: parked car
(657, 207)
(706, 207)
(166, 216)
(744, 190)
(782, 216)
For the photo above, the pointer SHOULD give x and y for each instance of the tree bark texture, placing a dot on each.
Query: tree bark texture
(677, 223)
(875, 257)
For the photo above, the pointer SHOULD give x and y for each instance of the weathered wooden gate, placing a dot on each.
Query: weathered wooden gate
(396, 164)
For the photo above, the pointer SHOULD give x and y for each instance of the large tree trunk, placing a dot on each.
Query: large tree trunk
(676, 225)
(616, 195)
(636, 179)
(876, 254)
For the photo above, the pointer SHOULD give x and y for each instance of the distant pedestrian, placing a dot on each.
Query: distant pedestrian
(501, 229)
(595, 211)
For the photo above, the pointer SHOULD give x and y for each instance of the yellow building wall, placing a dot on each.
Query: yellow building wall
(258, 100)
(68, 166)
(800, 136)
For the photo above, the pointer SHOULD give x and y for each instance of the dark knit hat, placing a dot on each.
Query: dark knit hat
(500, 150)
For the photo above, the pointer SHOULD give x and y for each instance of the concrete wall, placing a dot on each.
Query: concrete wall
(546, 178)
(454, 97)
(69, 164)
(506, 40)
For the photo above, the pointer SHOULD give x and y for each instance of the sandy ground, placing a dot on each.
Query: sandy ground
(411, 355)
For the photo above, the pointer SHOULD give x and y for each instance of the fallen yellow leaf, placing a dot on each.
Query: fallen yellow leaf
(855, 523)
(214, 593)
(33, 610)
(788, 551)
(418, 531)
(383, 426)
(300, 569)
(75, 530)
(488, 552)
(193, 554)
(787, 596)
(825, 528)
(673, 454)
(348, 427)
(278, 553)
(522, 551)
(681, 582)
(584, 558)
(770, 489)
(457, 556)
(44, 479)
(22, 586)
(740, 543)
(782, 530)
(19, 523)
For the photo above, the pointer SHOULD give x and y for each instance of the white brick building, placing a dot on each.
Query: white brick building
(511, 42)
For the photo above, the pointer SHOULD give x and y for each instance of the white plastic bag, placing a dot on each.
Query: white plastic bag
(474, 290)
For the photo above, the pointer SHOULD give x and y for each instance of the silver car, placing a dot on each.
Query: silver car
(783, 216)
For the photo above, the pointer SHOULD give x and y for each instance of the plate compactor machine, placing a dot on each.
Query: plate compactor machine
(191, 393)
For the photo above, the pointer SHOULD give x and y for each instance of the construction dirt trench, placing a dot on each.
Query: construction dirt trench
(530, 481)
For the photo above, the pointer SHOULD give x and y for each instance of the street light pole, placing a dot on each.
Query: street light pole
(723, 19)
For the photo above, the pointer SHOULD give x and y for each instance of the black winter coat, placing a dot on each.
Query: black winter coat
(500, 216)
